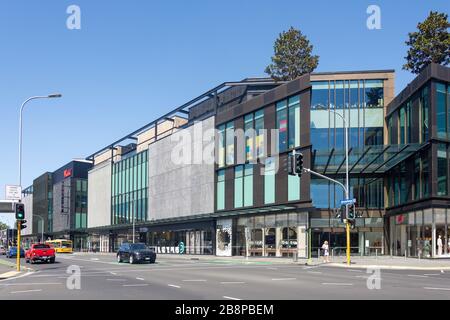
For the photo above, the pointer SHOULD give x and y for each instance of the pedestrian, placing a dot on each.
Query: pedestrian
(326, 252)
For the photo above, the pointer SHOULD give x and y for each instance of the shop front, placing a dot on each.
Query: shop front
(269, 235)
(421, 233)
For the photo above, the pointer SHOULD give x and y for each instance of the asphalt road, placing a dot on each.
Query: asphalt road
(183, 279)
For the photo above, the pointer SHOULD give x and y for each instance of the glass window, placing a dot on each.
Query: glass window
(425, 176)
(319, 98)
(417, 195)
(442, 167)
(374, 93)
(248, 185)
(293, 188)
(339, 102)
(424, 114)
(238, 186)
(269, 181)
(259, 129)
(230, 143)
(401, 125)
(441, 110)
(249, 137)
(294, 122)
(282, 124)
(353, 94)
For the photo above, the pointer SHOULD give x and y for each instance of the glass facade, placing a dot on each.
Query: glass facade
(442, 169)
(361, 102)
(220, 190)
(81, 195)
(288, 123)
(254, 135)
(130, 189)
(269, 181)
(442, 110)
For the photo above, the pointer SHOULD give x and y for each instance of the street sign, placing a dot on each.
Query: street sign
(13, 192)
(348, 201)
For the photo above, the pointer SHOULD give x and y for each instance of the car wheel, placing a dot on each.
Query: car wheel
(131, 260)
(119, 259)
(52, 260)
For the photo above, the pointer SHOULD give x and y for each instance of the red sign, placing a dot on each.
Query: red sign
(67, 173)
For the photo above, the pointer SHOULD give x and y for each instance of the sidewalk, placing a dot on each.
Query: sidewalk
(7, 269)
(382, 262)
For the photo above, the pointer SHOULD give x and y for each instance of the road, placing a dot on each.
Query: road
(184, 279)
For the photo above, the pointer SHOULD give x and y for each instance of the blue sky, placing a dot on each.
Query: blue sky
(134, 60)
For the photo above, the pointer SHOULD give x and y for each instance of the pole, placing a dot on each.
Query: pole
(18, 245)
(134, 223)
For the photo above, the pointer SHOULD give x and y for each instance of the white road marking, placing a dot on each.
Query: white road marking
(336, 284)
(26, 291)
(432, 274)
(270, 268)
(135, 285)
(195, 280)
(350, 270)
(174, 286)
(232, 282)
(416, 276)
(113, 273)
(30, 284)
(142, 279)
(116, 279)
(95, 259)
(441, 289)
(314, 272)
(230, 298)
(284, 279)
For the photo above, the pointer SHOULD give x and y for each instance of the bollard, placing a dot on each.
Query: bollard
(376, 254)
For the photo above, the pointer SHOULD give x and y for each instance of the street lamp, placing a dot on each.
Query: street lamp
(50, 96)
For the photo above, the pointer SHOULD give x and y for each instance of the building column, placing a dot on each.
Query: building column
(278, 238)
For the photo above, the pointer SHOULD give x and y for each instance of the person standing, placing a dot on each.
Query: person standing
(439, 245)
(326, 252)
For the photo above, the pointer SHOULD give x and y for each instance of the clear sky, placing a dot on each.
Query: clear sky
(134, 60)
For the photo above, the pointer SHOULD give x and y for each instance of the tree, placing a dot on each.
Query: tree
(3, 226)
(431, 43)
(292, 56)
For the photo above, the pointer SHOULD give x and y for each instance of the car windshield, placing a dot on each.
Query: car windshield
(42, 246)
(138, 246)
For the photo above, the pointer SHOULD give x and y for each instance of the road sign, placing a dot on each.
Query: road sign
(13, 192)
(348, 201)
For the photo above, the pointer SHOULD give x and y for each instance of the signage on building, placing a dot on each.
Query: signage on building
(13, 192)
(67, 173)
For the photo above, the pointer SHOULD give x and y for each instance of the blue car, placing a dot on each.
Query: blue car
(12, 253)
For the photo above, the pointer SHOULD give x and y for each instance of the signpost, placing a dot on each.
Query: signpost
(13, 193)
(348, 202)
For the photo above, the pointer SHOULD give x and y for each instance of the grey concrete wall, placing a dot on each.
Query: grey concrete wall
(180, 190)
(99, 195)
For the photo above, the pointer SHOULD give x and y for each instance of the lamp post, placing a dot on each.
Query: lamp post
(346, 182)
(50, 96)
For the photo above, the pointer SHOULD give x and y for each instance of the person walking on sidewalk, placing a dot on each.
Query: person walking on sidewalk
(326, 252)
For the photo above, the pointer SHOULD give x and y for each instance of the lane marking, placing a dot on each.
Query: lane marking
(135, 285)
(272, 268)
(440, 289)
(116, 280)
(432, 274)
(30, 284)
(26, 291)
(284, 279)
(232, 282)
(142, 279)
(113, 273)
(314, 272)
(350, 270)
(195, 280)
(416, 276)
(174, 286)
(336, 284)
(230, 298)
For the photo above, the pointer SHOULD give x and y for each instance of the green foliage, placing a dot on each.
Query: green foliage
(3, 226)
(292, 56)
(430, 44)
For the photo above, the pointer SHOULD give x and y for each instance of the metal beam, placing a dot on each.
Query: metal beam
(360, 158)
(343, 161)
(395, 155)
(328, 162)
(375, 159)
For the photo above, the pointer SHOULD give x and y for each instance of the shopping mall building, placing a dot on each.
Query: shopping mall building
(210, 177)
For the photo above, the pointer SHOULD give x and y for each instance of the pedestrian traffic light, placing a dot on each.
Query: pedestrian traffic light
(20, 211)
(299, 163)
(23, 224)
(351, 212)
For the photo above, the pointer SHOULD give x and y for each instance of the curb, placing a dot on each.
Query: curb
(9, 274)
(383, 267)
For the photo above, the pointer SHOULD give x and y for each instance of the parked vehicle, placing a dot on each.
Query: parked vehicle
(2, 250)
(40, 252)
(12, 253)
(135, 252)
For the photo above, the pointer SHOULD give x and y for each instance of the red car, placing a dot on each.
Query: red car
(40, 252)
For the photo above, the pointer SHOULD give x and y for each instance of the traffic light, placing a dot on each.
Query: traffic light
(352, 223)
(351, 212)
(299, 163)
(343, 215)
(20, 211)
(290, 164)
(23, 224)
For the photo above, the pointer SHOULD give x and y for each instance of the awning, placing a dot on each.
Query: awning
(367, 160)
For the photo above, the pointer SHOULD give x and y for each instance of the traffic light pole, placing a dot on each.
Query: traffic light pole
(18, 245)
